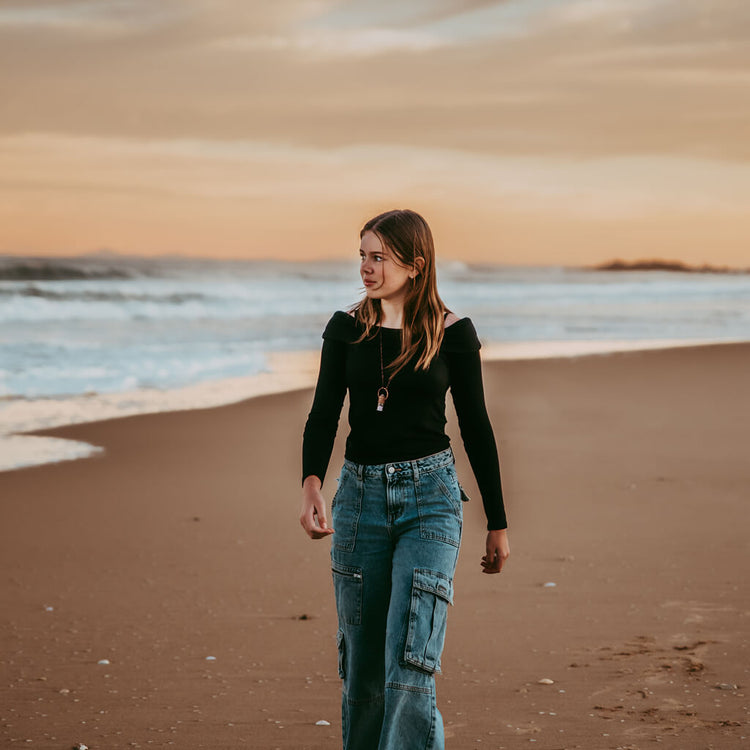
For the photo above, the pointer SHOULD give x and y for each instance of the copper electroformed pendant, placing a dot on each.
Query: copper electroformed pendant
(382, 396)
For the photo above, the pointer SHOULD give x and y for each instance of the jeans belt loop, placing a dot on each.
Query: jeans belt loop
(360, 471)
(415, 471)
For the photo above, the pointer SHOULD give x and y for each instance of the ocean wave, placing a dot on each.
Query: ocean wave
(37, 270)
(72, 295)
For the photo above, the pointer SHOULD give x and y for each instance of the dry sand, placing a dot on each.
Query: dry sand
(627, 479)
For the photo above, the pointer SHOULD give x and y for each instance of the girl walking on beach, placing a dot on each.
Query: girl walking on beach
(397, 511)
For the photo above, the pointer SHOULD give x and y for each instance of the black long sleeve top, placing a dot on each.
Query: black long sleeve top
(412, 423)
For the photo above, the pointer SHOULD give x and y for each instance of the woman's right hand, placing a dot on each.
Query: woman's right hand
(313, 515)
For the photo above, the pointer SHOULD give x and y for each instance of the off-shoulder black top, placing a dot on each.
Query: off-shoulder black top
(412, 422)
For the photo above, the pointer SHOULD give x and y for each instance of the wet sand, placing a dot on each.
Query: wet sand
(627, 481)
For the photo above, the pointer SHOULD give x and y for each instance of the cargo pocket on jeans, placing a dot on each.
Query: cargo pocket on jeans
(431, 594)
(341, 646)
(347, 585)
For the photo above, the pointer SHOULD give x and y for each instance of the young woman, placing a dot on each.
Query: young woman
(397, 511)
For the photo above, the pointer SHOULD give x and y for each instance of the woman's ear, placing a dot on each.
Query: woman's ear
(418, 266)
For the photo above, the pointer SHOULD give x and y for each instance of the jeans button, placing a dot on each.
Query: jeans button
(391, 469)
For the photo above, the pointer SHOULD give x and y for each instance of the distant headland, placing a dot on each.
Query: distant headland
(664, 265)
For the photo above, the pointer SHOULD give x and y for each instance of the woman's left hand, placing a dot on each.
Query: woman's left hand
(498, 551)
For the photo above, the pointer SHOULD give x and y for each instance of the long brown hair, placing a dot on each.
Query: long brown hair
(407, 235)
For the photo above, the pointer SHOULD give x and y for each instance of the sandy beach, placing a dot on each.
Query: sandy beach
(162, 593)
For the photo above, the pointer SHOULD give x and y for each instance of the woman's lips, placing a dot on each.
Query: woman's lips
(367, 282)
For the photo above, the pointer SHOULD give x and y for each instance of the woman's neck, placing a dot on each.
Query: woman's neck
(393, 313)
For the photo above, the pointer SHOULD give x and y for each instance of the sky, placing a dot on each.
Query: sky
(525, 131)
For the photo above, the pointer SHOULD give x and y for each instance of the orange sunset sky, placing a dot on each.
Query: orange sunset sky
(525, 131)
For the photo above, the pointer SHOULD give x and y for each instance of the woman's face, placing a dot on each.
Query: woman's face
(382, 274)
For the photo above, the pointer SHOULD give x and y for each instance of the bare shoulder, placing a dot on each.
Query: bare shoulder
(450, 319)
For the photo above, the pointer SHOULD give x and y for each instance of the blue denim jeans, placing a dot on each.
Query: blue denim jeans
(393, 556)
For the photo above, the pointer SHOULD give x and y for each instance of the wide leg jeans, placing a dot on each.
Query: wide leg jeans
(393, 557)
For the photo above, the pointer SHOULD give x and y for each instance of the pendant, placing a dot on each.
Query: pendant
(382, 396)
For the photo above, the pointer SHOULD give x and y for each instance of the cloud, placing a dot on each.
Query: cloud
(398, 13)
(619, 13)
(533, 78)
(663, 22)
(349, 43)
(207, 17)
(261, 169)
(87, 16)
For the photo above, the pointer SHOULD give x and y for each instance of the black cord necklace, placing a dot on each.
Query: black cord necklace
(383, 390)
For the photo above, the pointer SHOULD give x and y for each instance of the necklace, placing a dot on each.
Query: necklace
(383, 390)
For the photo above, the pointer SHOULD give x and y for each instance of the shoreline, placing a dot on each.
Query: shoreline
(288, 371)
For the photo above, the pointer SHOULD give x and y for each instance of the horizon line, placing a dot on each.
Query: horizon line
(619, 263)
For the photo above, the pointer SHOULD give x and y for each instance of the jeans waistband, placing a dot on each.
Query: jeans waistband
(414, 467)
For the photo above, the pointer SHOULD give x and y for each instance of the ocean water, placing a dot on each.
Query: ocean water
(104, 336)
